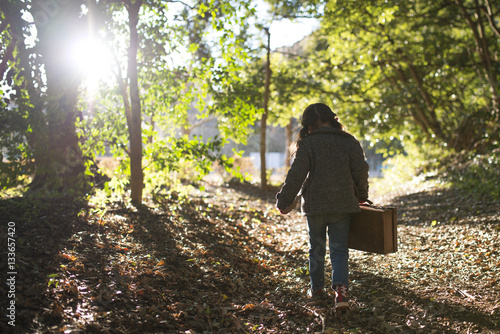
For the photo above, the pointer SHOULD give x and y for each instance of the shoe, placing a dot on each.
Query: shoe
(316, 297)
(341, 298)
(315, 294)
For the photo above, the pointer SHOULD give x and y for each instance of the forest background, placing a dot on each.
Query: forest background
(414, 79)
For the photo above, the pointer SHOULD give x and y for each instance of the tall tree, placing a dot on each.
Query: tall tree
(133, 106)
(265, 104)
(46, 90)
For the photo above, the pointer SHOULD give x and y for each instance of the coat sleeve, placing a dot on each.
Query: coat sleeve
(359, 171)
(294, 179)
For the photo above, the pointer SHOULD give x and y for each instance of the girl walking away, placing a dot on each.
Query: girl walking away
(331, 173)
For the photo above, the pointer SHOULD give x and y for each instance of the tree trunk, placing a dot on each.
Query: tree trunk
(426, 118)
(60, 167)
(263, 122)
(482, 48)
(431, 108)
(288, 134)
(152, 126)
(134, 117)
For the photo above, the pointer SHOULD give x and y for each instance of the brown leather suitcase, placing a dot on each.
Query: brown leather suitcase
(374, 230)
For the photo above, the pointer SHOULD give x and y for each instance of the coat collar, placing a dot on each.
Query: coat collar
(327, 130)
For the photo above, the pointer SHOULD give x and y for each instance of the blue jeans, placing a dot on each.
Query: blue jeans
(338, 232)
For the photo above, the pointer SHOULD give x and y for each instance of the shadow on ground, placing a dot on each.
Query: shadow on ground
(227, 262)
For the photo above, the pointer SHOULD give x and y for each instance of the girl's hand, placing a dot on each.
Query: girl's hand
(289, 208)
(364, 202)
(286, 210)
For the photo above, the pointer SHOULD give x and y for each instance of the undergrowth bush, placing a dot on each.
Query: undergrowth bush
(405, 169)
(477, 174)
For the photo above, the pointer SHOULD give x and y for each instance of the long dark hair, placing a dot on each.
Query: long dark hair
(313, 115)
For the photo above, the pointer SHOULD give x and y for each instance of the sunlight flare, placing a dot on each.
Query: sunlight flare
(95, 60)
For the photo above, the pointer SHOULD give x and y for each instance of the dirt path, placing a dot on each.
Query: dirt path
(224, 261)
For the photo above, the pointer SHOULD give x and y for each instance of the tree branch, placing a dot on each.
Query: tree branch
(7, 56)
(181, 2)
(3, 25)
(489, 14)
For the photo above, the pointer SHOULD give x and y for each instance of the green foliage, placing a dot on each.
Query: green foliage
(188, 57)
(16, 124)
(177, 95)
(172, 155)
(292, 85)
(407, 70)
(16, 162)
(477, 174)
(421, 73)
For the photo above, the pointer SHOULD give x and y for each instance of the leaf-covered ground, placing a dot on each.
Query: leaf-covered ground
(224, 261)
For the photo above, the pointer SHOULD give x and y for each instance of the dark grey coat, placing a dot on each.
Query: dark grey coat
(332, 164)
